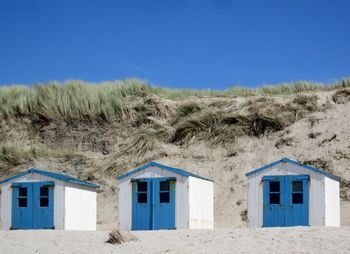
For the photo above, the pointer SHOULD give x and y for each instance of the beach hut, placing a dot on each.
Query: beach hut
(39, 199)
(156, 196)
(287, 193)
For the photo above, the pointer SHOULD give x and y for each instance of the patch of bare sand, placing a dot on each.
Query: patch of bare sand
(262, 240)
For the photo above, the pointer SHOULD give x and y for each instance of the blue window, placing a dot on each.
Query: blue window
(44, 196)
(164, 192)
(142, 192)
(22, 197)
(274, 193)
(297, 192)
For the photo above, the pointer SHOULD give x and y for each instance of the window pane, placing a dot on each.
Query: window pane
(297, 186)
(141, 197)
(274, 186)
(164, 186)
(142, 186)
(274, 198)
(44, 191)
(44, 202)
(164, 197)
(22, 202)
(22, 192)
(297, 198)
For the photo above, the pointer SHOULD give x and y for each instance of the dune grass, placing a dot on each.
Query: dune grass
(77, 100)
(17, 154)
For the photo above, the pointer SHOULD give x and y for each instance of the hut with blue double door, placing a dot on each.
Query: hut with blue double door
(39, 199)
(287, 193)
(155, 196)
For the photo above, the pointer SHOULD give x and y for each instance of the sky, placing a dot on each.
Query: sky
(206, 44)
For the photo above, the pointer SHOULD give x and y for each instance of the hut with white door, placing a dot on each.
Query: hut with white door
(39, 199)
(156, 196)
(287, 193)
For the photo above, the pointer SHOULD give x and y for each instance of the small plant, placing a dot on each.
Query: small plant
(314, 135)
(244, 215)
(90, 175)
(284, 142)
(320, 164)
(341, 96)
(116, 237)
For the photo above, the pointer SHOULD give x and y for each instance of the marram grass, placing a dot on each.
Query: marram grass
(106, 101)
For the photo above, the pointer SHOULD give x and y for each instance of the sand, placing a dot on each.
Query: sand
(244, 240)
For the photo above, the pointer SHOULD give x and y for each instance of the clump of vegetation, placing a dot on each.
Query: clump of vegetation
(143, 146)
(116, 237)
(284, 142)
(244, 215)
(257, 117)
(15, 155)
(321, 164)
(314, 135)
(216, 126)
(149, 107)
(307, 102)
(341, 96)
(344, 189)
(185, 110)
(89, 175)
(234, 151)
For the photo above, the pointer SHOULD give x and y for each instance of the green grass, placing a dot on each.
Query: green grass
(107, 101)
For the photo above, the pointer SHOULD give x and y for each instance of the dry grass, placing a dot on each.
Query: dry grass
(17, 154)
(322, 164)
(76, 100)
(342, 96)
(116, 237)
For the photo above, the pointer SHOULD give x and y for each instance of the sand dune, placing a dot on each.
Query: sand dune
(263, 240)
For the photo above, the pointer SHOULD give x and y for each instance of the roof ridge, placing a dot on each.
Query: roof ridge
(59, 176)
(162, 166)
(285, 159)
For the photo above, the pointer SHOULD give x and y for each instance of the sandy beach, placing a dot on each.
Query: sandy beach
(238, 240)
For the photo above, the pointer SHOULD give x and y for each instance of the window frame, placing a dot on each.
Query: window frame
(274, 192)
(165, 192)
(141, 192)
(297, 192)
(42, 197)
(22, 197)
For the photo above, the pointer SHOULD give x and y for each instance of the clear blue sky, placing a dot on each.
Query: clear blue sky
(175, 43)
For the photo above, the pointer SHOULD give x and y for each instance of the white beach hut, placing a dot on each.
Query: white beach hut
(155, 196)
(288, 193)
(38, 199)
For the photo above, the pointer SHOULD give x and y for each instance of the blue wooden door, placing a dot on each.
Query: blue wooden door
(22, 206)
(273, 210)
(153, 204)
(297, 201)
(43, 206)
(164, 204)
(32, 205)
(286, 201)
(142, 204)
